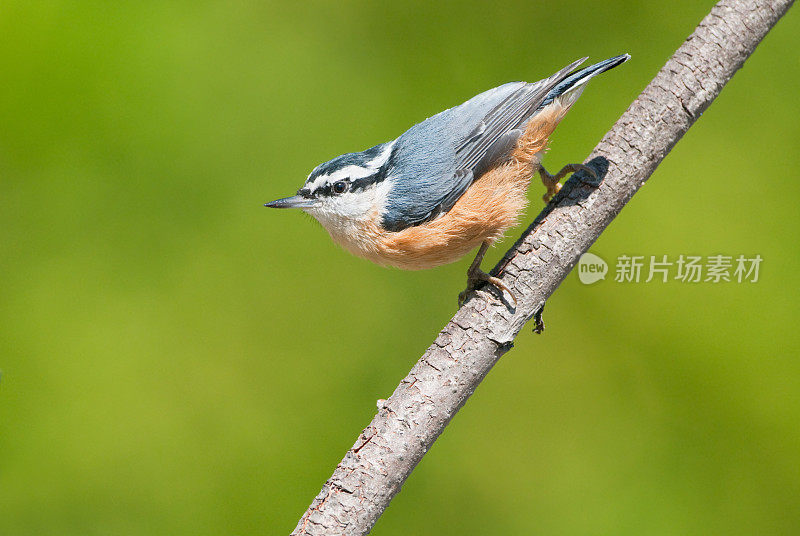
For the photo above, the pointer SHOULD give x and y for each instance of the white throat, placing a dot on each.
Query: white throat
(346, 216)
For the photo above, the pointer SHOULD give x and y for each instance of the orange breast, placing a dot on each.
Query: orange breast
(490, 205)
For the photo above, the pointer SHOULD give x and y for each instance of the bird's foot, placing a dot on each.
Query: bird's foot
(475, 277)
(538, 321)
(553, 182)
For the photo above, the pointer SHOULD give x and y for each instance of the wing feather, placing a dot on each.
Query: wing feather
(439, 163)
(509, 115)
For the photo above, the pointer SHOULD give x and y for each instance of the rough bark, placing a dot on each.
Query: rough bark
(403, 430)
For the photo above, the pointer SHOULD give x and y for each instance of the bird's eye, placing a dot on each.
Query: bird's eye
(339, 187)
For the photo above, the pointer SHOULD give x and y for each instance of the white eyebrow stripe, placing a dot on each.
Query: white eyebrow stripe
(318, 182)
(353, 171)
(381, 159)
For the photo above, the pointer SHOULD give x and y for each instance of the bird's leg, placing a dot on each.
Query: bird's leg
(476, 276)
(552, 182)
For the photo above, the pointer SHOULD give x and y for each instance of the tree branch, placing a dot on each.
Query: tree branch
(403, 430)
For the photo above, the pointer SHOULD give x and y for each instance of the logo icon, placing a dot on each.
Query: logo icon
(591, 268)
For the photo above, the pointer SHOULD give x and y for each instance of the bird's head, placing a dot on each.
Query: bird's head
(346, 191)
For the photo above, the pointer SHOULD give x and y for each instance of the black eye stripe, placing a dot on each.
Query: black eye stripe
(354, 159)
(356, 185)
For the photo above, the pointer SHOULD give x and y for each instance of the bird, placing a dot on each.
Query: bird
(451, 183)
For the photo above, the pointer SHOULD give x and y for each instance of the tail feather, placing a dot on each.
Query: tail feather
(570, 88)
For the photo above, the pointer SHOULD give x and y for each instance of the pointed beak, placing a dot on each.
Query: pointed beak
(296, 201)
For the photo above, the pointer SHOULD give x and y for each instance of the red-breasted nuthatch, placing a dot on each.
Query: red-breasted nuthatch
(450, 184)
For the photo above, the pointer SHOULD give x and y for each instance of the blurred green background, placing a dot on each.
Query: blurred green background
(179, 360)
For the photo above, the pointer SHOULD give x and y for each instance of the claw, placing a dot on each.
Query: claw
(476, 276)
(538, 321)
(552, 182)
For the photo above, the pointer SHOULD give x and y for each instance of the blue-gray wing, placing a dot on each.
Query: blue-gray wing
(435, 161)
(497, 133)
